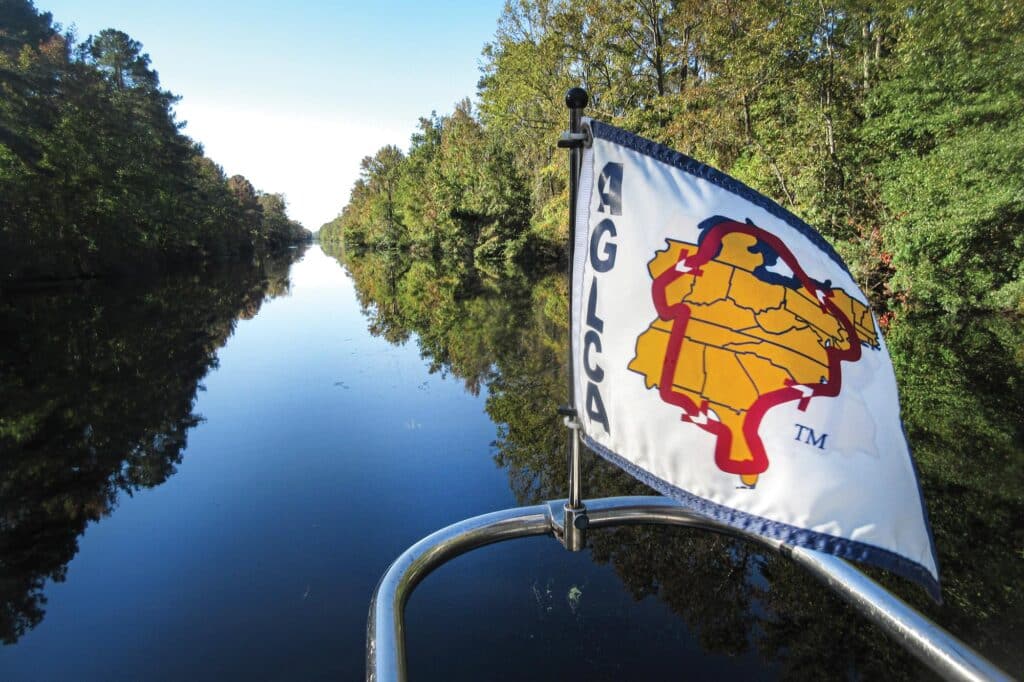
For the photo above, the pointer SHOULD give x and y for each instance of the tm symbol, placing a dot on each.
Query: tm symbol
(805, 434)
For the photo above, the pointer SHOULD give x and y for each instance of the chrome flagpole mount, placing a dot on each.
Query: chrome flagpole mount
(575, 522)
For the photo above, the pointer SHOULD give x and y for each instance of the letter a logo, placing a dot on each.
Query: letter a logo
(609, 189)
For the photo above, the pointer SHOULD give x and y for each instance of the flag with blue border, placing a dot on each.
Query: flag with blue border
(725, 356)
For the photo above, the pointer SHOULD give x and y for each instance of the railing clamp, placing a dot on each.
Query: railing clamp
(575, 522)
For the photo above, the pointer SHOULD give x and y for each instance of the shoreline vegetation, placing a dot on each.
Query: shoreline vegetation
(96, 177)
(894, 128)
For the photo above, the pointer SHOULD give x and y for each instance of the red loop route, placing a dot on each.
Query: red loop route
(678, 314)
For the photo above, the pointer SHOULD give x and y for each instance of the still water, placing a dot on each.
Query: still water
(205, 477)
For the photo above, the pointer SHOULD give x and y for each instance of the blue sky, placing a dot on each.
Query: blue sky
(293, 94)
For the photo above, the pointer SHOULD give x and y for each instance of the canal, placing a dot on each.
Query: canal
(204, 478)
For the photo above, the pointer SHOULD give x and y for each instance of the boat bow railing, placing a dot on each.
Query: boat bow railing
(936, 648)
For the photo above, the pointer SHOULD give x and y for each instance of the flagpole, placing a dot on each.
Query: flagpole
(575, 521)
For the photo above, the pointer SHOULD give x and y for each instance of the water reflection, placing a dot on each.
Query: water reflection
(962, 387)
(97, 386)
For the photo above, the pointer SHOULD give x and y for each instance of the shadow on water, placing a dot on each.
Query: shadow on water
(97, 388)
(962, 390)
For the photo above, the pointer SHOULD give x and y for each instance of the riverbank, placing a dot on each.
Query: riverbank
(96, 177)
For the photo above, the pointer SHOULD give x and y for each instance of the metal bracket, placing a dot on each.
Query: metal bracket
(574, 528)
(568, 524)
(577, 140)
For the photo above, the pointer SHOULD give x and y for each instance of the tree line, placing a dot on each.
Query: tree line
(96, 176)
(457, 193)
(895, 127)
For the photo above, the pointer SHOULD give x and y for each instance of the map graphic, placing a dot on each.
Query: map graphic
(741, 328)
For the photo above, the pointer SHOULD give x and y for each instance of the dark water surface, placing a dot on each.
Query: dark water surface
(205, 477)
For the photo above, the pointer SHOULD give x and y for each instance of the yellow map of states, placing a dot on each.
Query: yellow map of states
(745, 336)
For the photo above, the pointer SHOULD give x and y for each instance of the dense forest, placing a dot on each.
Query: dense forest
(894, 127)
(96, 176)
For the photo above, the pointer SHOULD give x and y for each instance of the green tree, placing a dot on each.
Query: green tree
(121, 60)
(95, 175)
(893, 127)
(949, 134)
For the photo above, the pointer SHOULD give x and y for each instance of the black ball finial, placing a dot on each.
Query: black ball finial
(576, 98)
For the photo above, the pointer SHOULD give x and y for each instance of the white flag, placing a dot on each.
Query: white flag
(724, 355)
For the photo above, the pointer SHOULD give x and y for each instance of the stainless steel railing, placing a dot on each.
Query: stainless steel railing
(385, 636)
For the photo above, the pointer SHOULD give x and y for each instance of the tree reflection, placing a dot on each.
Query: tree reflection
(97, 386)
(962, 388)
